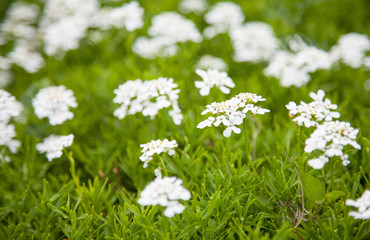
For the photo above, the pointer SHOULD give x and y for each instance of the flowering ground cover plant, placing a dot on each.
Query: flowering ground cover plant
(187, 119)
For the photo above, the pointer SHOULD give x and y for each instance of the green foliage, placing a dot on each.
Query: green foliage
(245, 187)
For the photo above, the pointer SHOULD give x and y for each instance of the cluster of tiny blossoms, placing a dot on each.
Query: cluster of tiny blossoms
(363, 205)
(165, 192)
(232, 112)
(156, 147)
(314, 113)
(211, 78)
(210, 62)
(330, 136)
(53, 145)
(9, 108)
(148, 97)
(54, 102)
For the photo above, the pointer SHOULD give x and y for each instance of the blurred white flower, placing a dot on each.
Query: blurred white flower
(167, 29)
(210, 62)
(165, 192)
(293, 68)
(18, 22)
(211, 78)
(331, 138)
(54, 102)
(7, 132)
(148, 97)
(129, 15)
(26, 56)
(53, 145)
(363, 205)
(156, 147)
(351, 49)
(9, 107)
(314, 113)
(195, 6)
(223, 17)
(232, 112)
(5, 74)
(254, 42)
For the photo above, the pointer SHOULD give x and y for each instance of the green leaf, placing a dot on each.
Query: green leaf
(312, 188)
(331, 197)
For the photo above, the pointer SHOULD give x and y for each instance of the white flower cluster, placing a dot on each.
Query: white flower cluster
(351, 49)
(293, 68)
(9, 108)
(330, 138)
(167, 29)
(148, 97)
(129, 15)
(210, 62)
(313, 113)
(165, 192)
(254, 42)
(54, 102)
(223, 17)
(19, 25)
(156, 147)
(363, 205)
(195, 6)
(53, 145)
(65, 22)
(232, 112)
(211, 78)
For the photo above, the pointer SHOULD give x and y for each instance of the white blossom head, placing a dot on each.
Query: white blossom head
(165, 192)
(7, 133)
(210, 62)
(9, 107)
(212, 78)
(232, 112)
(53, 145)
(314, 113)
(330, 138)
(195, 6)
(156, 147)
(254, 42)
(129, 15)
(363, 205)
(222, 17)
(148, 97)
(54, 102)
(25, 55)
(351, 49)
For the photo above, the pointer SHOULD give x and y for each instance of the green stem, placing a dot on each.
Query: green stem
(164, 166)
(72, 170)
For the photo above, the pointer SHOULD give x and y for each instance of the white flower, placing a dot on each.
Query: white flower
(129, 15)
(210, 62)
(165, 192)
(363, 205)
(222, 17)
(148, 97)
(53, 145)
(211, 78)
(331, 138)
(254, 42)
(351, 49)
(54, 102)
(314, 113)
(156, 147)
(7, 132)
(232, 112)
(9, 107)
(195, 6)
(167, 29)
(25, 55)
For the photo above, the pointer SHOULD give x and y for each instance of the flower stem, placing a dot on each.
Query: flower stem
(247, 151)
(164, 166)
